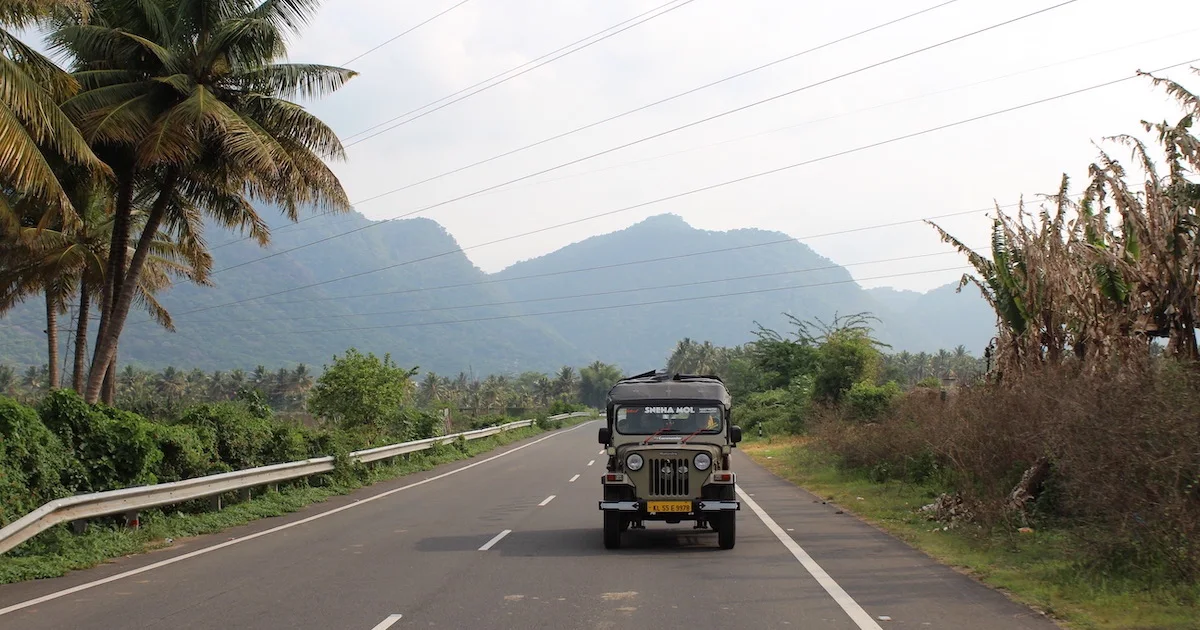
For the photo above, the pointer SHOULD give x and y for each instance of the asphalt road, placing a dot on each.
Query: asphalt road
(512, 539)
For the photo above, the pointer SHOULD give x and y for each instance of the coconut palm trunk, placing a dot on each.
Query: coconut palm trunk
(52, 337)
(123, 293)
(79, 373)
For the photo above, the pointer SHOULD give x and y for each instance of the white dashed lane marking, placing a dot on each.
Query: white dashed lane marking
(489, 544)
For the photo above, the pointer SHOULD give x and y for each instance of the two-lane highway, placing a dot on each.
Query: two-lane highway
(512, 539)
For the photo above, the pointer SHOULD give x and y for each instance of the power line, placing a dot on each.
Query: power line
(679, 95)
(849, 113)
(534, 61)
(648, 138)
(704, 188)
(644, 261)
(385, 43)
(787, 127)
(539, 62)
(617, 306)
(680, 285)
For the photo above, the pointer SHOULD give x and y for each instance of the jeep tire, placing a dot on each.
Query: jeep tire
(612, 530)
(727, 530)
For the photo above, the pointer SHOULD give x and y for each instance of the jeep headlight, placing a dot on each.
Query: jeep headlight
(703, 461)
(634, 462)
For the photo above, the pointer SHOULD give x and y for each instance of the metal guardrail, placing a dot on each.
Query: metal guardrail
(96, 504)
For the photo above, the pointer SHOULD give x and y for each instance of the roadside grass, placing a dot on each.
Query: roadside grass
(1037, 569)
(57, 551)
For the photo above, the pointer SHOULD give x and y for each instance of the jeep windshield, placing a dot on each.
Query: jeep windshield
(669, 419)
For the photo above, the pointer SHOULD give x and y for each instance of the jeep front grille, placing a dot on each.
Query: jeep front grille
(669, 477)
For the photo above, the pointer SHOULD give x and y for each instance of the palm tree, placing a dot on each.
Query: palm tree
(431, 388)
(565, 383)
(71, 259)
(594, 382)
(8, 380)
(37, 134)
(186, 103)
(544, 390)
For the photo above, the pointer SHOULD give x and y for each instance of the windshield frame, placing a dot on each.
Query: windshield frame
(722, 416)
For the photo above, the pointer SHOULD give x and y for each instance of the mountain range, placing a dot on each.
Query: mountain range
(647, 287)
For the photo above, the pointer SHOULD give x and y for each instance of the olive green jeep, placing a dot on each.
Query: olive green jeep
(668, 442)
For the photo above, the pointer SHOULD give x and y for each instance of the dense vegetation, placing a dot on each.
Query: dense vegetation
(1082, 423)
(199, 424)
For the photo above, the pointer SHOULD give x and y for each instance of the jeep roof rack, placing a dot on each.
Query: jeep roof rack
(659, 384)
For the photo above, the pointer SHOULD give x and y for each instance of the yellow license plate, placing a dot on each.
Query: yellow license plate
(669, 506)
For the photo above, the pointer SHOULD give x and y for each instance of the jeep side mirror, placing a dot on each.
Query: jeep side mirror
(735, 434)
(605, 435)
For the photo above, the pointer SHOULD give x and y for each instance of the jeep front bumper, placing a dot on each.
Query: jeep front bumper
(699, 506)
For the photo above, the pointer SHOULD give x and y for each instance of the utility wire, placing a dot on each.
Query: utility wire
(704, 188)
(539, 62)
(385, 43)
(756, 276)
(644, 261)
(677, 96)
(617, 306)
(789, 127)
(845, 114)
(650, 137)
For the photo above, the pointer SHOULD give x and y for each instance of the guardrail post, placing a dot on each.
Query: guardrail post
(246, 494)
(131, 520)
(214, 503)
(79, 526)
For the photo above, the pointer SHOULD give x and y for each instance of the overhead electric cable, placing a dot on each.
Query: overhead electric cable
(679, 285)
(648, 138)
(618, 306)
(390, 40)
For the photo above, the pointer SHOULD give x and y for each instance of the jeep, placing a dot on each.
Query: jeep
(668, 440)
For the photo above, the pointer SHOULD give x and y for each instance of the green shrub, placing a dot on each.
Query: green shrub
(287, 444)
(188, 452)
(845, 359)
(359, 389)
(35, 466)
(930, 382)
(867, 401)
(559, 407)
(407, 424)
(117, 448)
(243, 437)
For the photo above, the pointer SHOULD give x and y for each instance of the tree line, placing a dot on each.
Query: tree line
(167, 393)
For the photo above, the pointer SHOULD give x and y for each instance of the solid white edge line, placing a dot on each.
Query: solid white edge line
(199, 552)
(547, 500)
(495, 539)
(856, 613)
(388, 622)
(574, 478)
(591, 462)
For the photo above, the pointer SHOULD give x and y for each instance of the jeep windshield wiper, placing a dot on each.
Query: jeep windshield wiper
(693, 434)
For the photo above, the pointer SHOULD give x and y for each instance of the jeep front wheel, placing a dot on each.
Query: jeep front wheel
(612, 530)
(727, 531)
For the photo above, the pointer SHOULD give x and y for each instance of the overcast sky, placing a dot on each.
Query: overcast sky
(964, 168)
